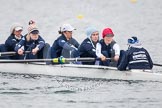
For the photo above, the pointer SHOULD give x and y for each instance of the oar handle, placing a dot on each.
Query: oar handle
(7, 53)
(11, 53)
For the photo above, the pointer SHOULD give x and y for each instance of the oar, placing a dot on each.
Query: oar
(54, 60)
(10, 53)
(156, 64)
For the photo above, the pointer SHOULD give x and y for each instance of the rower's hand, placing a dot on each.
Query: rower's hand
(116, 58)
(20, 51)
(103, 58)
(35, 50)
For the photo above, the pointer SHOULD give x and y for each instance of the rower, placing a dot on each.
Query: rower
(65, 45)
(31, 42)
(136, 57)
(88, 46)
(14, 38)
(3, 49)
(108, 48)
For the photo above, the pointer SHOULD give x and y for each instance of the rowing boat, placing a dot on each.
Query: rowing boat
(77, 70)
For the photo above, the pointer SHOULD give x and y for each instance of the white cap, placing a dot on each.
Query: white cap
(18, 28)
(34, 31)
(67, 27)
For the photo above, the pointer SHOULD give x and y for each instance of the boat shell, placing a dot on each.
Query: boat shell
(75, 70)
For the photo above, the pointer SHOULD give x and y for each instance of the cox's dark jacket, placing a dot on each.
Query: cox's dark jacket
(136, 58)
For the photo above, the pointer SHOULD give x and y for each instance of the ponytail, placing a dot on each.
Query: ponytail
(28, 37)
(60, 32)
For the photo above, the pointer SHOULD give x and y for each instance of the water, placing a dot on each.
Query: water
(47, 91)
(143, 18)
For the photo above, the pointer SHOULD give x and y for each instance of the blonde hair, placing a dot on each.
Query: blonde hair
(31, 26)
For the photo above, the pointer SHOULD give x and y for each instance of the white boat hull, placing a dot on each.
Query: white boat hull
(71, 70)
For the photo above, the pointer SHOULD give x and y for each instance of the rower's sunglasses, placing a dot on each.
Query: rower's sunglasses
(70, 31)
(95, 34)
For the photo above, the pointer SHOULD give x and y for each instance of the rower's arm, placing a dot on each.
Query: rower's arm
(117, 51)
(98, 50)
(10, 43)
(88, 48)
(41, 43)
(66, 45)
(20, 44)
(149, 59)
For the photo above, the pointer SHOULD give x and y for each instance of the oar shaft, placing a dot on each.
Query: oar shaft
(66, 60)
(156, 64)
(54, 60)
(24, 61)
(84, 59)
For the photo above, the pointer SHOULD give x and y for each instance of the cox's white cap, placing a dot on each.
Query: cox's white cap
(67, 27)
(18, 28)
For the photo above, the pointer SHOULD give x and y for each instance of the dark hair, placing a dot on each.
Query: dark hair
(31, 22)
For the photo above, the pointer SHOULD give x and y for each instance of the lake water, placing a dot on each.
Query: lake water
(142, 18)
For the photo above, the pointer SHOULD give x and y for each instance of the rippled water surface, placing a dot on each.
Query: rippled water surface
(142, 18)
(46, 91)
